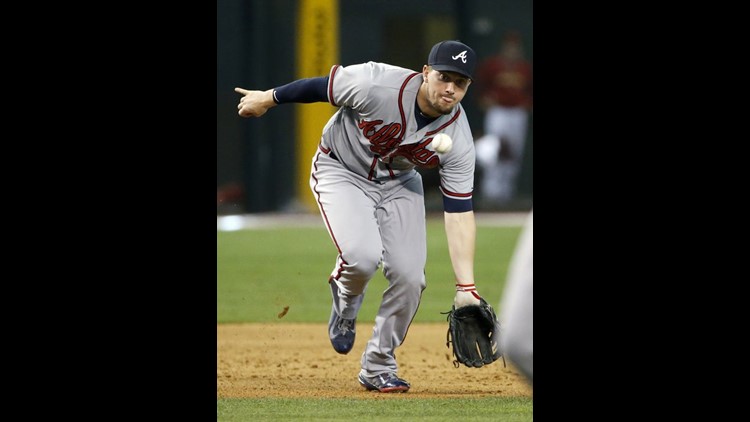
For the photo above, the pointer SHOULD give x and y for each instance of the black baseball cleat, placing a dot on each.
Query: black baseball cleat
(341, 331)
(385, 383)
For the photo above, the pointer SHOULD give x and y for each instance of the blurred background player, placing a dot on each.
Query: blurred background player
(517, 305)
(505, 92)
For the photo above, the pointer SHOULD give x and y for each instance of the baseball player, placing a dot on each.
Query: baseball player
(506, 94)
(371, 197)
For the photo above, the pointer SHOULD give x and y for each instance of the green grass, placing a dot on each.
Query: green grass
(259, 272)
(396, 408)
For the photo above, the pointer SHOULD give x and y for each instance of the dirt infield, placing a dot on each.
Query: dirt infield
(297, 360)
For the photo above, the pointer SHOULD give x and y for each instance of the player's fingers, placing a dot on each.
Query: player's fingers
(241, 91)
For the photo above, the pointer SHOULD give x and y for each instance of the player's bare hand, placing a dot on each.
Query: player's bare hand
(254, 103)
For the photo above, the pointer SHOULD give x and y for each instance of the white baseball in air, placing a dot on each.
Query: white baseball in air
(441, 143)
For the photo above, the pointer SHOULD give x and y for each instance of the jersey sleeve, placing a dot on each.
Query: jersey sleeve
(457, 174)
(350, 86)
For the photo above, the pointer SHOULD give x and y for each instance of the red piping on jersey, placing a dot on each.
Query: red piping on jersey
(401, 105)
(330, 84)
(325, 216)
(446, 192)
(372, 167)
(390, 170)
(403, 124)
(453, 119)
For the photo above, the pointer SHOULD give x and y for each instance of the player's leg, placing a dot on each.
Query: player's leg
(348, 214)
(402, 228)
(517, 305)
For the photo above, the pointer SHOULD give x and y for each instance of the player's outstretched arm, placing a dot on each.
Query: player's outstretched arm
(308, 90)
(460, 230)
(254, 103)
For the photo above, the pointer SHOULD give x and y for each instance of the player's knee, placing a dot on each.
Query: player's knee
(408, 275)
(362, 265)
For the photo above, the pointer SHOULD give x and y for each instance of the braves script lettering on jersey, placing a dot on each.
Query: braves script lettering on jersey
(375, 132)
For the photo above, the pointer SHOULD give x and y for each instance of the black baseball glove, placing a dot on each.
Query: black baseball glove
(474, 331)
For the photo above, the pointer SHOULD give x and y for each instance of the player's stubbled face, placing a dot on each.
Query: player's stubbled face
(445, 90)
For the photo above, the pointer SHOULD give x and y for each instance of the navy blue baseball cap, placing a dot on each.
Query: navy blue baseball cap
(453, 56)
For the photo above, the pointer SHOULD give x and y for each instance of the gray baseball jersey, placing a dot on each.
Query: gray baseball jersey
(375, 135)
(371, 197)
